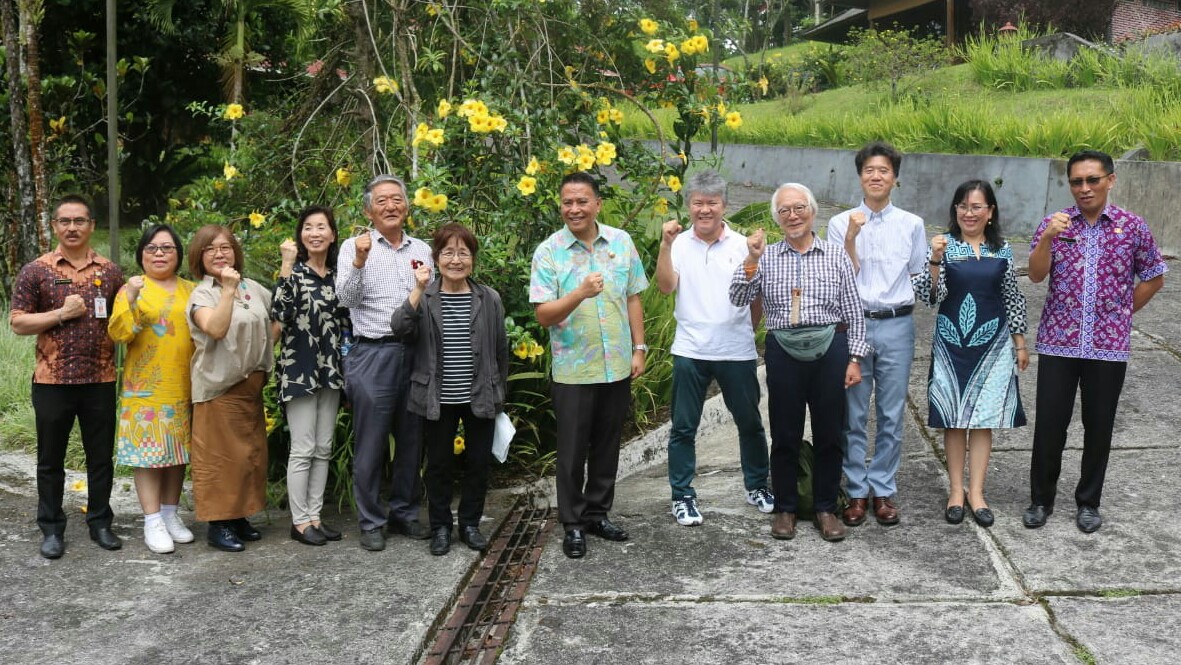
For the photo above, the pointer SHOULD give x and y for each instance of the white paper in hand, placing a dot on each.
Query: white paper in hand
(502, 437)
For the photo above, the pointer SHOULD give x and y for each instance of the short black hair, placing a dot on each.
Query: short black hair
(992, 230)
(75, 198)
(146, 239)
(1103, 158)
(581, 178)
(301, 251)
(879, 149)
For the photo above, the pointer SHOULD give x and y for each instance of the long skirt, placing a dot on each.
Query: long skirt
(229, 452)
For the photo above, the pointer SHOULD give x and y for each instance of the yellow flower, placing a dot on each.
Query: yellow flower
(721, 109)
(661, 206)
(700, 43)
(674, 183)
(689, 46)
(423, 132)
(233, 112)
(78, 485)
(603, 116)
(58, 126)
(533, 167)
(648, 26)
(229, 171)
(655, 45)
(438, 203)
(585, 162)
(435, 136)
(692, 25)
(444, 109)
(671, 52)
(521, 350)
(704, 111)
(499, 123)
(535, 350)
(733, 119)
(650, 65)
(432, 9)
(458, 445)
(385, 85)
(343, 177)
(422, 197)
(527, 185)
(471, 107)
(219, 185)
(763, 84)
(604, 153)
(683, 156)
(566, 155)
(616, 116)
(257, 219)
(479, 123)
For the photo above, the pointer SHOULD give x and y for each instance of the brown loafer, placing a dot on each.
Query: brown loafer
(854, 515)
(830, 527)
(783, 526)
(885, 511)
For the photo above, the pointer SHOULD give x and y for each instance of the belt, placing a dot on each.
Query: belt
(905, 310)
(388, 339)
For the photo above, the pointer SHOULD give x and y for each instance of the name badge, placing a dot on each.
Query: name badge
(58, 282)
(100, 308)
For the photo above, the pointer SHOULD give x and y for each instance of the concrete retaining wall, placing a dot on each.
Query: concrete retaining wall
(1027, 189)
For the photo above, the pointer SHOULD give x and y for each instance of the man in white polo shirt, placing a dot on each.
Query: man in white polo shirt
(714, 341)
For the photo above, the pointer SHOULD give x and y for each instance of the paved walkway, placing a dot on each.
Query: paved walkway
(724, 592)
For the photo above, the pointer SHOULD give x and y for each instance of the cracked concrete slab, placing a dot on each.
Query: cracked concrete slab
(1128, 631)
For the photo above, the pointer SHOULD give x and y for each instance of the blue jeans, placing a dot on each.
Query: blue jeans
(739, 383)
(886, 375)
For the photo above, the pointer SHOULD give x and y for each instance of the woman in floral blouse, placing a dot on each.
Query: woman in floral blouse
(310, 378)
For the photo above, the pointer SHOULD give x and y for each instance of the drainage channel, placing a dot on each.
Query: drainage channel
(486, 608)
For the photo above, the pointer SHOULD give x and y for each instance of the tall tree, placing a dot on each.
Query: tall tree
(21, 220)
(31, 13)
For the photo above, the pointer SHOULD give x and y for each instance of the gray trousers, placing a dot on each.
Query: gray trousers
(312, 420)
(377, 383)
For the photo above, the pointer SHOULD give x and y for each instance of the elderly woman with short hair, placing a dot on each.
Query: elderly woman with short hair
(230, 319)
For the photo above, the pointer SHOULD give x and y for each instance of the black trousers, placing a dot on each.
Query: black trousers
(55, 408)
(1058, 380)
(819, 386)
(590, 422)
(441, 460)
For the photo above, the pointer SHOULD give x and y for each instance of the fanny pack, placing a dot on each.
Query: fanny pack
(805, 344)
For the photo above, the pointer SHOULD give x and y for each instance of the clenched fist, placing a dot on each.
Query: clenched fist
(670, 231)
(592, 285)
(73, 307)
(756, 244)
(1059, 222)
(363, 244)
(856, 223)
(134, 286)
(938, 247)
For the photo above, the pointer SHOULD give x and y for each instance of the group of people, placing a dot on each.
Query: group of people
(399, 328)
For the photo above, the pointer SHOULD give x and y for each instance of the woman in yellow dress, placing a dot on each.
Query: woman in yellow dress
(155, 412)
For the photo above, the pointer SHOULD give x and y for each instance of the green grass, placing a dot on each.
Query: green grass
(792, 53)
(17, 426)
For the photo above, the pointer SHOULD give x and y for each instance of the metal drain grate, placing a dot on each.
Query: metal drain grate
(485, 610)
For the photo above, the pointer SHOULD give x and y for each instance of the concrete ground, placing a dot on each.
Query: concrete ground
(921, 592)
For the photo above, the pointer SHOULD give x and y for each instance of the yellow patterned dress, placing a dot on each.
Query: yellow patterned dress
(155, 409)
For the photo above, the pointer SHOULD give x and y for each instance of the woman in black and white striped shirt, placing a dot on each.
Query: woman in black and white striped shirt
(460, 374)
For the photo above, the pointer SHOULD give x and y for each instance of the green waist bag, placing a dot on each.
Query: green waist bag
(805, 344)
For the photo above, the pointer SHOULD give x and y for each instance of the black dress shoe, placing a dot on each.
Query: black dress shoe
(372, 539)
(328, 532)
(310, 535)
(53, 546)
(413, 529)
(221, 536)
(574, 544)
(245, 530)
(954, 514)
(1036, 515)
(983, 517)
(472, 537)
(1088, 520)
(440, 540)
(105, 538)
(605, 529)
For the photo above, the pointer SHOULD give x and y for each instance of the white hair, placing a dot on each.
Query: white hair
(794, 186)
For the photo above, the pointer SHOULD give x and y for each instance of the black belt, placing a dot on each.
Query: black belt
(388, 339)
(905, 310)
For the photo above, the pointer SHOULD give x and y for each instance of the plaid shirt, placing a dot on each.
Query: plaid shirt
(824, 273)
(374, 292)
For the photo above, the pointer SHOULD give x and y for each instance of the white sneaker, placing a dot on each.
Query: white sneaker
(157, 539)
(762, 498)
(685, 510)
(177, 529)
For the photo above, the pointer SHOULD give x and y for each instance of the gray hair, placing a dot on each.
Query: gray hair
(706, 183)
(797, 187)
(367, 199)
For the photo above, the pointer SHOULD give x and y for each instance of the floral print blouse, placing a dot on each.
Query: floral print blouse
(313, 327)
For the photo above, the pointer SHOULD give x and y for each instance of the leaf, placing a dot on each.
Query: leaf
(968, 313)
(985, 333)
(947, 330)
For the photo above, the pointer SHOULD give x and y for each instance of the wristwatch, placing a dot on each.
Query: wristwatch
(640, 347)
(854, 360)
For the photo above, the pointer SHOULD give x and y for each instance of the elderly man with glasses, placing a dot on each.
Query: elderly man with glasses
(375, 275)
(63, 298)
(1093, 252)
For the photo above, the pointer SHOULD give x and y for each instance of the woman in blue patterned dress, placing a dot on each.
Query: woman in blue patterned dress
(309, 376)
(979, 337)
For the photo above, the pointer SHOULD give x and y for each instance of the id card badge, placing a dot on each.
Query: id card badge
(100, 307)
(797, 295)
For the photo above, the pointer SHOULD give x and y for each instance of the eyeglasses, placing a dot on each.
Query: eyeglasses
(160, 249)
(1090, 180)
(448, 254)
(72, 221)
(219, 249)
(975, 210)
(799, 210)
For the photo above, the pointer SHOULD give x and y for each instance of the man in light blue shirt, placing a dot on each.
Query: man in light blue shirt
(887, 245)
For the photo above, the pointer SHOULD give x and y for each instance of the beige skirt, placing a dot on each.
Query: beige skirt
(229, 452)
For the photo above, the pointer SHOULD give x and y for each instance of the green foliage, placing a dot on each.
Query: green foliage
(17, 424)
(893, 57)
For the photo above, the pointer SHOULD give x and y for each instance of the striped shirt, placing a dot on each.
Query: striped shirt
(458, 364)
(824, 276)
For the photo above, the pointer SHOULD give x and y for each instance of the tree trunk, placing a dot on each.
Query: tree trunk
(364, 57)
(20, 221)
(31, 13)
